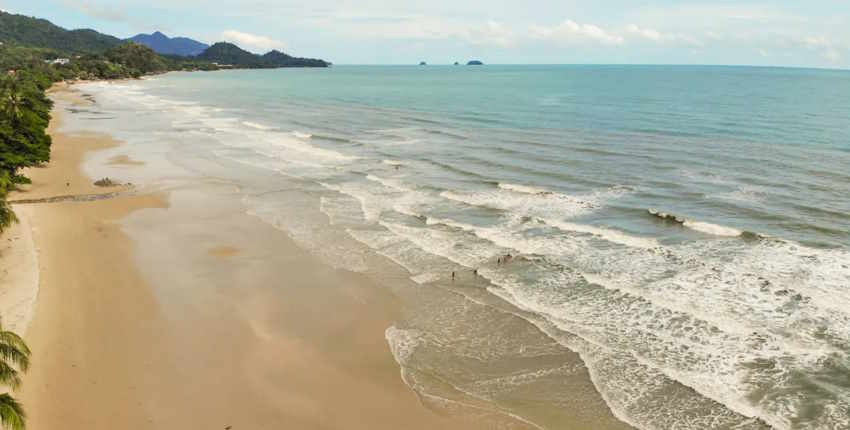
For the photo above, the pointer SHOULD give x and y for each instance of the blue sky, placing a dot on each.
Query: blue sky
(814, 33)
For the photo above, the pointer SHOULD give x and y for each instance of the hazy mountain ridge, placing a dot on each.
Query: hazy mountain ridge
(162, 44)
(224, 53)
(30, 32)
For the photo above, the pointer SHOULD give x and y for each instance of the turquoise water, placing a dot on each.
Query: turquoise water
(731, 312)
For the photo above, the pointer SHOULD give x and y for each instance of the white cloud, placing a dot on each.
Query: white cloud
(654, 35)
(570, 31)
(646, 33)
(817, 42)
(829, 49)
(252, 42)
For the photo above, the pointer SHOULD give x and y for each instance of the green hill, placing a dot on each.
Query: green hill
(139, 58)
(54, 41)
(279, 59)
(228, 53)
(26, 31)
(224, 53)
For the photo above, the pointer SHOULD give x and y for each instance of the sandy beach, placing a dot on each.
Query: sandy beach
(114, 347)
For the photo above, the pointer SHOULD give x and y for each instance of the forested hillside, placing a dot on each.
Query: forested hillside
(225, 53)
(27, 31)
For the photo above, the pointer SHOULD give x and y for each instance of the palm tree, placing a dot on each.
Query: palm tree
(10, 98)
(13, 354)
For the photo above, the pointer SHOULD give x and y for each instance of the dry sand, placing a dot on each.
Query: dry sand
(18, 275)
(123, 340)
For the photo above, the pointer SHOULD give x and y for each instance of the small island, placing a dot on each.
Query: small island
(474, 63)
(422, 63)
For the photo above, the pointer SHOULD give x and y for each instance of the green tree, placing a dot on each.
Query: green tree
(14, 359)
(24, 142)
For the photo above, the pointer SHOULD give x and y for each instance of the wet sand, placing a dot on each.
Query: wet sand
(227, 325)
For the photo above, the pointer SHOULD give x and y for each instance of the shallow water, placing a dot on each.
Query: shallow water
(733, 312)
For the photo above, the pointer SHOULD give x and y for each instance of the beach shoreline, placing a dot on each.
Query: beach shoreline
(120, 342)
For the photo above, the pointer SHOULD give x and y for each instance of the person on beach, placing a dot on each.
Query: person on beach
(453, 276)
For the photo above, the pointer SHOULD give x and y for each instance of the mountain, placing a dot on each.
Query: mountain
(42, 40)
(162, 44)
(230, 54)
(27, 31)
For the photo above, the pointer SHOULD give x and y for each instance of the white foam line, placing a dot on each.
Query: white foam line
(610, 235)
(256, 125)
(712, 229)
(523, 189)
(389, 183)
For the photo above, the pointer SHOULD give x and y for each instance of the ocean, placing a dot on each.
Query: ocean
(684, 230)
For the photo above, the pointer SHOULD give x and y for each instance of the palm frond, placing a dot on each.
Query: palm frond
(13, 349)
(9, 376)
(14, 356)
(12, 414)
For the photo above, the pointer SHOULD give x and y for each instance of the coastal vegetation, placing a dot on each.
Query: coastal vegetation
(24, 142)
(14, 358)
(98, 54)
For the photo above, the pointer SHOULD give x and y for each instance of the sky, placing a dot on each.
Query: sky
(810, 33)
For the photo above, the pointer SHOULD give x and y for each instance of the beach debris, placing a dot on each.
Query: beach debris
(67, 198)
(105, 182)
